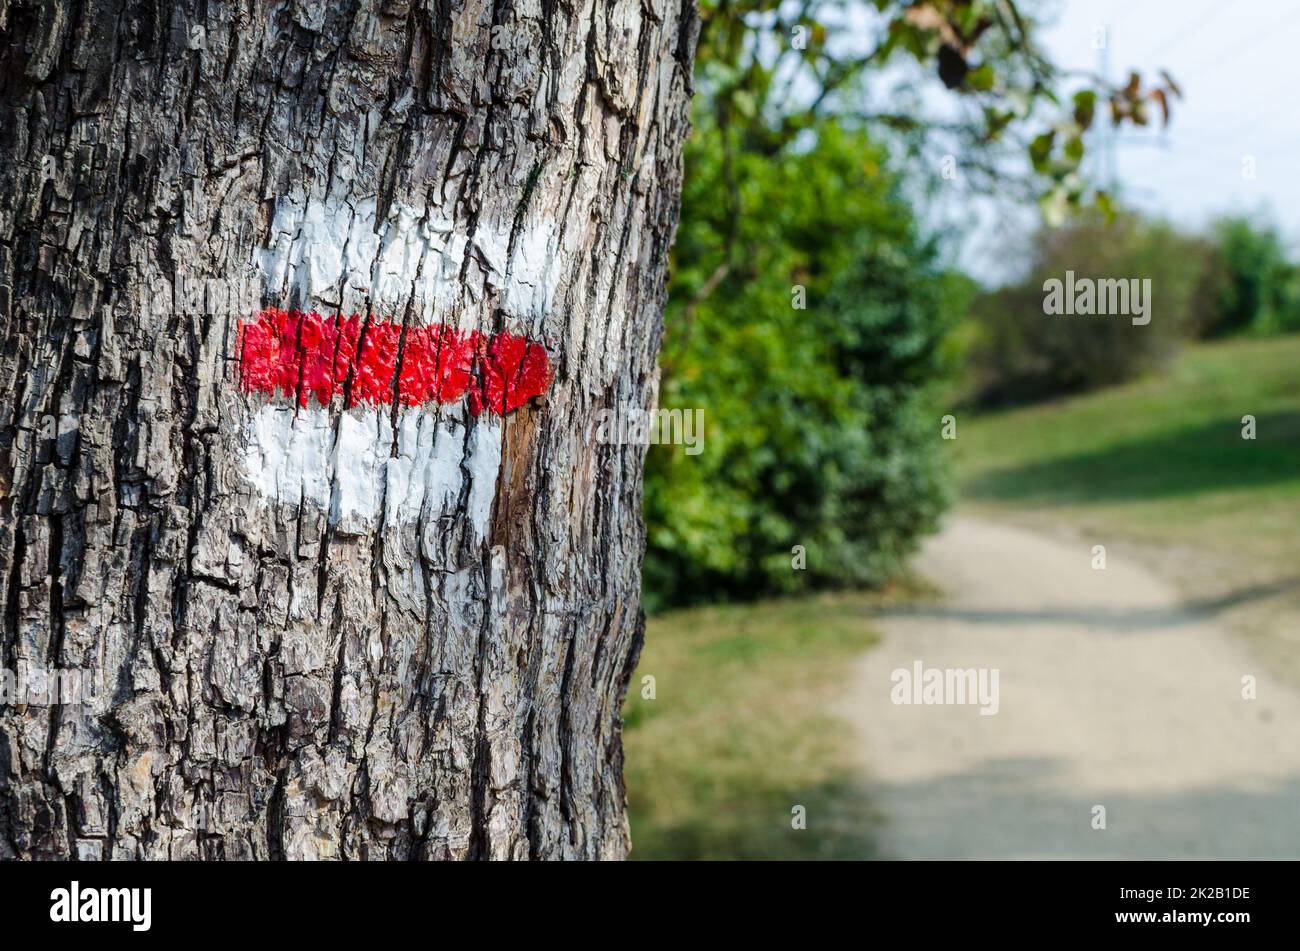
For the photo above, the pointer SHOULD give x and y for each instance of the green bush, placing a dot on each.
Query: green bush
(818, 431)
(1256, 285)
(1019, 353)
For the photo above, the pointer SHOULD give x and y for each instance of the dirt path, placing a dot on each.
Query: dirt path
(1111, 693)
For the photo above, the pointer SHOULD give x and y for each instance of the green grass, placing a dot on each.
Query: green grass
(1160, 460)
(739, 732)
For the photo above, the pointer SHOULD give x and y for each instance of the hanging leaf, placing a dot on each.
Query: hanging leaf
(1159, 96)
(1040, 150)
(1055, 206)
(1105, 206)
(1085, 107)
(981, 79)
(952, 66)
(1074, 149)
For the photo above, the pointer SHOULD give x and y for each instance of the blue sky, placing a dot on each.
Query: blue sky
(1237, 64)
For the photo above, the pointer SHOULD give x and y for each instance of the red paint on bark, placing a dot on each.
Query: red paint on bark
(437, 365)
(307, 356)
(516, 370)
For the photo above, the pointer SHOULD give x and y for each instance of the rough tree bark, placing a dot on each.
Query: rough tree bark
(408, 643)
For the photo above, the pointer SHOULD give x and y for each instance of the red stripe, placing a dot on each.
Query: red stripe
(307, 356)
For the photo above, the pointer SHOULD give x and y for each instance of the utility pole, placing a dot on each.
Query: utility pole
(1106, 166)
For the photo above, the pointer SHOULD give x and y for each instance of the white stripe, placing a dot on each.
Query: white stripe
(343, 462)
(317, 248)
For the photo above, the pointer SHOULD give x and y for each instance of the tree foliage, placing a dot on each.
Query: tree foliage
(1018, 353)
(1237, 278)
(775, 70)
(817, 432)
(1257, 286)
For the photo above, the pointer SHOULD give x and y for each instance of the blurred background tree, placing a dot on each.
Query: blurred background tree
(1257, 285)
(813, 142)
(816, 433)
(1017, 355)
(1235, 279)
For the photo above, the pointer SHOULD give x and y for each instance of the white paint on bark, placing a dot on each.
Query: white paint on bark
(321, 249)
(425, 476)
(484, 463)
(354, 465)
(362, 443)
(527, 278)
(327, 251)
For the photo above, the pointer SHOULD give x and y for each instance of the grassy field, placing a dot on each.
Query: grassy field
(739, 732)
(1162, 458)
(1160, 466)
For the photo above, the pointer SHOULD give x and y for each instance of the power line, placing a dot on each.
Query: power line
(1215, 124)
(1270, 29)
(1121, 10)
(1232, 132)
(1104, 153)
(1213, 65)
(1247, 121)
(1195, 26)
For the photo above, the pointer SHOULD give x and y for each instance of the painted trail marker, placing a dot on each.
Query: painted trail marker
(307, 356)
(324, 429)
(326, 434)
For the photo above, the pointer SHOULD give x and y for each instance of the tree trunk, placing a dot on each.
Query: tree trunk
(367, 604)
